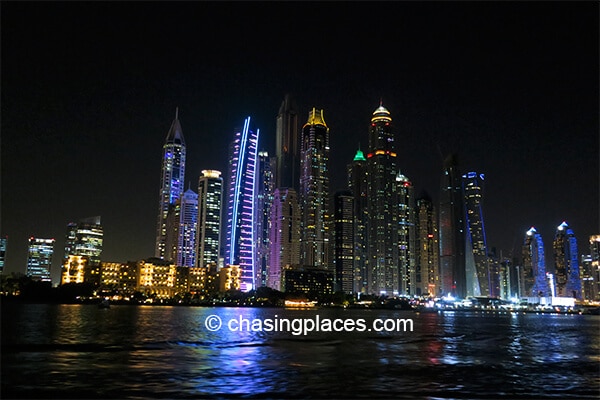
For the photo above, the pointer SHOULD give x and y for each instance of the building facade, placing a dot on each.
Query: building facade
(357, 184)
(406, 235)
(266, 185)
(427, 248)
(566, 263)
(343, 241)
(171, 181)
(39, 258)
(314, 191)
(287, 145)
(210, 200)
(382, 223)
(240, 248)
(535, 283)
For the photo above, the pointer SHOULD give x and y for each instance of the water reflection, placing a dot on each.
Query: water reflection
(149, 351)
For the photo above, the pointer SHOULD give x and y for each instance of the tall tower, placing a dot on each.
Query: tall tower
(171, 181)
(477, 269)
(427, 248)
(566, 263)
(39, 258)
(287, 144)
(451, 229)
(382, 221)
(357, 184)
(284, 235)
(343, 241)
(314, 190)
(85, 238)
(534, 266)
(210, 198)
(240, 244)
(406, 234)
(264, 199)
(188, 225)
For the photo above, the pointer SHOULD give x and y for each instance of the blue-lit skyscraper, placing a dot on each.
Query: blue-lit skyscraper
(477, 271)
(240, 246)
(188, 225)
(171, 182)
(566, 263)
(534, 266)
(39, 259)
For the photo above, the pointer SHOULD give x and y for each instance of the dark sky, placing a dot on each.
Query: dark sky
(89, 91)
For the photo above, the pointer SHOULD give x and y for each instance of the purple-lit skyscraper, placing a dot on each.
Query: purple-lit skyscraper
(566, 263)
(240, 241)
(171, 182)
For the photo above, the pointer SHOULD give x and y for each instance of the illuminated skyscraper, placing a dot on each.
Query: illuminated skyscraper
(382, 224)
(566, 263)
(287, 144)
(343, 241)
(3, 244)
(39, 259)
(171, 182)
(210, 198)
(314, 190)
(284, 235)
(188, 225)
(357, 183)
(240, 248)
(406, 234)
(534, 266)
(264, 199)
(451, 231)
(85, 238)
(477, 269)
(427, 248)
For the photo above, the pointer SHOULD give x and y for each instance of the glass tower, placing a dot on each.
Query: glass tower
(39, 259)
(451, 231)
(85, 238)
(534, 266)
(171, 182)
(314, 190)
(357, 183)
(343, 230)
(263, 209)
(406, 235)
(287, 144)
(210, 198)
(566, 263)
(477, 269)
(188, 224)
(382, 223)
(427, 250)
(240, 246)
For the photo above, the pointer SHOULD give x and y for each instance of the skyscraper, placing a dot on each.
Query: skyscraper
(566, 263)
(534, 266)
(343, 241)
(284, 240)
(39, 258)
(210, 198)
(287, 145)
(406, 234)
(3, 244)
(382, 224)
(85, 238)
(171, 182)
(357, 184)
(188, 225)
(241, 205)
(477, 269)
(264, 200)
(451, 231)
(314, 190)
(427, 248)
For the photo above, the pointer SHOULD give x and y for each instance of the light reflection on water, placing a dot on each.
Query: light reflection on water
(148, 351)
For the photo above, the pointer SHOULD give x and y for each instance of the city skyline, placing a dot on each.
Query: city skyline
(92, 128)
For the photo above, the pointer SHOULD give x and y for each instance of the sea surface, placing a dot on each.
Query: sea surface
(136, 352)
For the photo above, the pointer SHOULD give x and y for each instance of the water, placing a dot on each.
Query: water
(81, 351)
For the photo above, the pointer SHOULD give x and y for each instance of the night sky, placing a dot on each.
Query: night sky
(89, 91)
